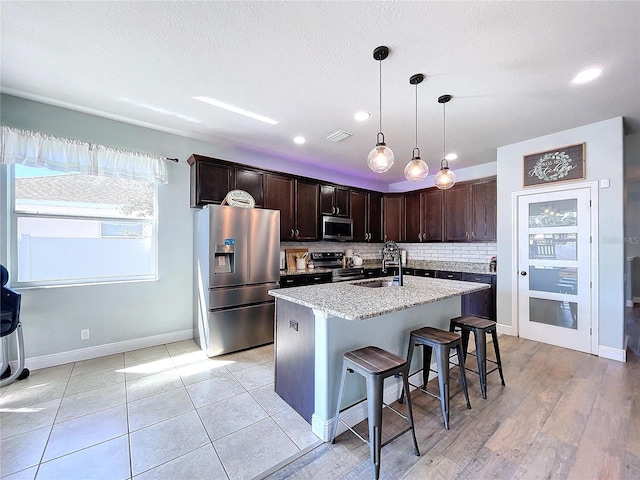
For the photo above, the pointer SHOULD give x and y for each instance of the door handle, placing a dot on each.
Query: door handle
(523, 273)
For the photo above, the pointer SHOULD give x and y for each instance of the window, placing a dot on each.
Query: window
(72, 228)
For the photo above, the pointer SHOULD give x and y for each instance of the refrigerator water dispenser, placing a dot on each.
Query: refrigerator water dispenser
(223, 259)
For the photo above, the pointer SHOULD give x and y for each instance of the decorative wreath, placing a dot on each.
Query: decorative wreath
(561, 169)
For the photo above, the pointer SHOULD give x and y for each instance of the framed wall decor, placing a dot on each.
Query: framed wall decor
(557, 165)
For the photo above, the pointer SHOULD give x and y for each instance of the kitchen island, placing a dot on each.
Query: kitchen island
(317, 324)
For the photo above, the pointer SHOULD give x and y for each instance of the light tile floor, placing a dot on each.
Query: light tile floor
(165, 412)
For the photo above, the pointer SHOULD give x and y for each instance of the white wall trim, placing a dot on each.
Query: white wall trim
(506, 330)
(612, 353)
(44, 361)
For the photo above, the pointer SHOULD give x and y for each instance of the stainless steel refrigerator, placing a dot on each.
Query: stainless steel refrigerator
(237, 262)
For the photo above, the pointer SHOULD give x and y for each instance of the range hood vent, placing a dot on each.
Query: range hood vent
(338, 136)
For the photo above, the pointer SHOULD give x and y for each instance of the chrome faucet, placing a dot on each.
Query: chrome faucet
(391, 256)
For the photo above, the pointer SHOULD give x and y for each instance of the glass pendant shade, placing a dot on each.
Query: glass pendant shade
(416, 169)
(380, 159)
(445, 178)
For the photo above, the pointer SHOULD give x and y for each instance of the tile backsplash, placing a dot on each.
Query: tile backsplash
(451, 252)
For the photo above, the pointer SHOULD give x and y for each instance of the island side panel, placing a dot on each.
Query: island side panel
(335, 336)
(294, 356)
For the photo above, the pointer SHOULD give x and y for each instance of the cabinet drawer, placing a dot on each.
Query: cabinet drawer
(419, 272)
(372, 272)
(478, 277)
(293, 281)
(449, 275)
(320, 278)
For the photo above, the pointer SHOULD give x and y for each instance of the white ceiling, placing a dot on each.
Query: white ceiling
(309, 65)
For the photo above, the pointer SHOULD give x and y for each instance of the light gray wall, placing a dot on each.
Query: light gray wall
(53, 317)
(604, 159)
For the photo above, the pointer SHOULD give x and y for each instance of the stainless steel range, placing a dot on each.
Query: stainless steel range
(334, 261)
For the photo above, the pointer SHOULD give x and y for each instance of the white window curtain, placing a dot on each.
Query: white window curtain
(34, 149)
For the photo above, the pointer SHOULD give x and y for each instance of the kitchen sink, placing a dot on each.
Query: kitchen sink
(377, 283)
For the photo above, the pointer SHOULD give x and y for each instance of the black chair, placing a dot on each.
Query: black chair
(10, 324)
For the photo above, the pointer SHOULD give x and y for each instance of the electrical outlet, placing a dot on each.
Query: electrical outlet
(84, 334)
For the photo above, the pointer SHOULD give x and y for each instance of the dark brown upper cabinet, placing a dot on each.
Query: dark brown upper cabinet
(470, 212)
(334, 200)
(210, 180)
(465, 213)
(456, 213)
(279, 195)
(483, 211)
(412, 217)
(393, 218)
(359, 215)
(423, 216)
(366, 212)
(252, 182)
(307, 211)
(374, 210)
(297, 201)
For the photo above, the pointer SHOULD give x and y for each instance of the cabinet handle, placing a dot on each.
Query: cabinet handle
(292, 233)
(449, 276)
(338, 210)
(297, 233)
(333, 210)
(419, 237)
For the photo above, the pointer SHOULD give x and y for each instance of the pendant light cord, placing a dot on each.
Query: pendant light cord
(380, 92)
(444, 133)
(416, 115)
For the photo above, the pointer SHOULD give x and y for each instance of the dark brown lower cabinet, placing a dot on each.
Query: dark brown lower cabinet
(295, 357)
(482, 303)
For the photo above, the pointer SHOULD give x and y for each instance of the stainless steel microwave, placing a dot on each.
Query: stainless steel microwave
(337, 228)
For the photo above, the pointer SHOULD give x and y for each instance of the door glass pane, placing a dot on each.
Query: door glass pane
(554, 312)
(553, 246)
(559, 213)
(554, 279)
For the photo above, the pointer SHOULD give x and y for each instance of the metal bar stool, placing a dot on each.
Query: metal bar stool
(443, 342)
(375, 364)
(479, 326)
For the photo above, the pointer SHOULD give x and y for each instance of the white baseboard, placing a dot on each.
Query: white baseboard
(354, 415)
(44, 361)
(505, 329)
(612, 353)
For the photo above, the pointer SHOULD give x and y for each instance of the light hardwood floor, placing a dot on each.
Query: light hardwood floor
(563, 414)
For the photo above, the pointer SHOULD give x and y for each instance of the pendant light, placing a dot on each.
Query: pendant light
(416, 169)
(380, 159)
(445, 178)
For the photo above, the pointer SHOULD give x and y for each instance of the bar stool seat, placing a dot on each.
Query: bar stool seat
(443, 342)
(480, 327)
(376, 364)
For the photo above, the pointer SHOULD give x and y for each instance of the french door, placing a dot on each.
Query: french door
(554, 268)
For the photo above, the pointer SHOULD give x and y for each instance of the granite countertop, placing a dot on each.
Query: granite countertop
(350, 301)
(423, 264)
(436, 265)
(308, 271)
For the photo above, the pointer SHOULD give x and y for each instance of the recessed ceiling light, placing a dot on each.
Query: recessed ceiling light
(451, 156)
(240, 111)
(587, 75)
(362, 116)
(299, 140)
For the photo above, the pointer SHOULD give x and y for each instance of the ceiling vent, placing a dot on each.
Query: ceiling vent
(338, 136)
